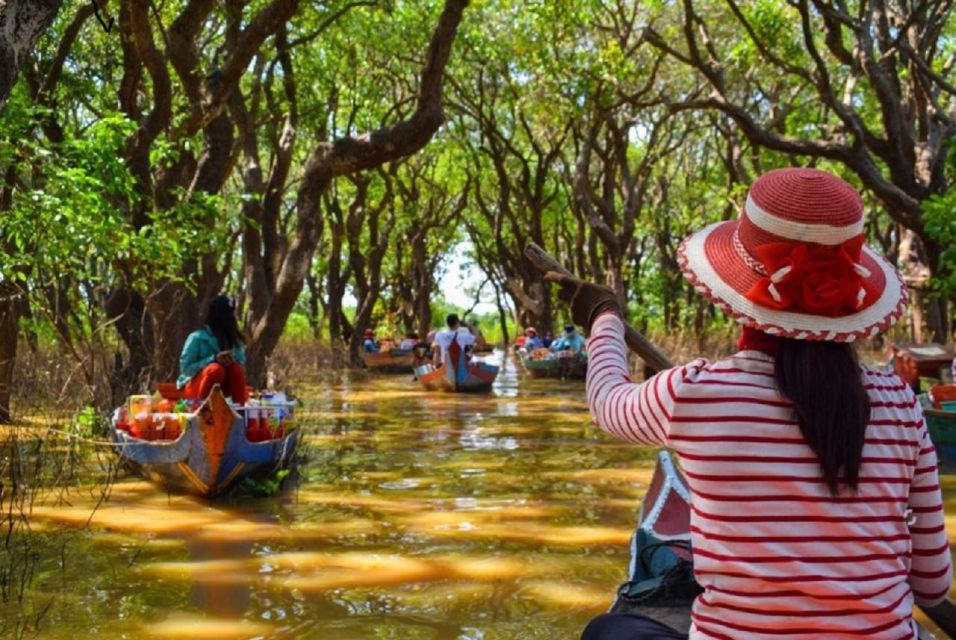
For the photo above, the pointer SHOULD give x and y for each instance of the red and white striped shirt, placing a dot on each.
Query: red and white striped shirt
(776, 554)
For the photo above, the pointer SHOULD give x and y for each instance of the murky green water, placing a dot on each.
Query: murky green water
(417, 516)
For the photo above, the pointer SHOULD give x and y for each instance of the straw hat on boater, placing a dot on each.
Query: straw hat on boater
(794, 264)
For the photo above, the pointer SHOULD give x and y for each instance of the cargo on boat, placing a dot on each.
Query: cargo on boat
(206, 451)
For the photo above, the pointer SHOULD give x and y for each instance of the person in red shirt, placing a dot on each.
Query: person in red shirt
(816, 505)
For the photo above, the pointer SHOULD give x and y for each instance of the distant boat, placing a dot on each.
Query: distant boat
(560, 365)
(212, 451)
(462, 376)
(939, 411)
(391, 361)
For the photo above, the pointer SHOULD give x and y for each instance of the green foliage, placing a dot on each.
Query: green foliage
(73, 223)
(939, 214)
(89, 423)
(259, 488)
(527, 83)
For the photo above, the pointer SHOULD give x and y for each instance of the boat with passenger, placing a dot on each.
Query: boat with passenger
(563, 365)
(463, 375)
(204, 447)
(390, 361)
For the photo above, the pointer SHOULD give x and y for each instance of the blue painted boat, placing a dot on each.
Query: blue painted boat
(458, 374)
(211, 454)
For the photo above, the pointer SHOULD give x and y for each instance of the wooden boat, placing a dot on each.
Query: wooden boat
(210, 454)
(660, 583)
(462, 376)
(939, 410)
(562, 365)
(910, 360)
(391, 361)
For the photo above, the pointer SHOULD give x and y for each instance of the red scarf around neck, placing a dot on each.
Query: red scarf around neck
(756, 340)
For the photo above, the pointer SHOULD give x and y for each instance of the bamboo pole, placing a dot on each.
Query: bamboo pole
(640, 345)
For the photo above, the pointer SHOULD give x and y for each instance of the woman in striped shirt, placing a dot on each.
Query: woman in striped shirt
(817, 510)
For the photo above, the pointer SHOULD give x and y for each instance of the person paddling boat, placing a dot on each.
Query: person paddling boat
(817, 510)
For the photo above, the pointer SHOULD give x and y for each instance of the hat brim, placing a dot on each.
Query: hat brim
(715, 269)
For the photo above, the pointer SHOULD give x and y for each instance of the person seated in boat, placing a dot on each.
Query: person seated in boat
(547, 340)
(570, 341)
(214, 354)
(816, 509)
(531, 340)
(454, 332)
(409, 341)
(369, 345)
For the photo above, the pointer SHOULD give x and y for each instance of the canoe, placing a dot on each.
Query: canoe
(392, 361)
(660, 582)
(211, 453)
(911, 360)
(939, 410)
(561, 366)
(462, 376)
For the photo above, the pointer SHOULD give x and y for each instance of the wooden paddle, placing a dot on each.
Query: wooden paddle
(944, 614)
(640, 345)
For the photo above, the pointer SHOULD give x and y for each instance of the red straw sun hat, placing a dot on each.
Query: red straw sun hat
(794, 263)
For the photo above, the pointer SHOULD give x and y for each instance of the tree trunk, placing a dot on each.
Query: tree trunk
(22, 22)
(9, 304)
(916, 274)
(502, 317)
(422, 285)
(315, 323)
(539, 315)
(136, 331)
(349, 156)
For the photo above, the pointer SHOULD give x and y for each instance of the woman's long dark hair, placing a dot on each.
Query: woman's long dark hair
(823, 381)
(221, 320)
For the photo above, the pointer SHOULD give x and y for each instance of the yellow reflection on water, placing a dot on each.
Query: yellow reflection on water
(180, 626)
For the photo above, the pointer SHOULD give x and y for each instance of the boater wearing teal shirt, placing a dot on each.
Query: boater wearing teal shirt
(570, 341)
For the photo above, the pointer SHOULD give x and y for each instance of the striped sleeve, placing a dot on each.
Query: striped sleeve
(931, 573)
(640, 413)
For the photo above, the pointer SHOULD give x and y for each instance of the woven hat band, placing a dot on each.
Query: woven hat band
(817, 233)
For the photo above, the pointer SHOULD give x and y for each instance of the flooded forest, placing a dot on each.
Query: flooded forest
(298, 303)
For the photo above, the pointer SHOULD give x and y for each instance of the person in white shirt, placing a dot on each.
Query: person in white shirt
(408, 342)
(453, 333)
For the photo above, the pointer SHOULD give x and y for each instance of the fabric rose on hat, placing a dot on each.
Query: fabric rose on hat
(817, 279)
